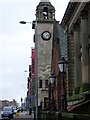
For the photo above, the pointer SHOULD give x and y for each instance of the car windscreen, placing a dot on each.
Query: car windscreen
(7, 109)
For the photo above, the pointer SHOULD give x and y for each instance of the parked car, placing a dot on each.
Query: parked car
(7, 112)
(20, 109)
(14, 110)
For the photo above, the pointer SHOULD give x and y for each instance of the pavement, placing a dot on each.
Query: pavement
(25, 114)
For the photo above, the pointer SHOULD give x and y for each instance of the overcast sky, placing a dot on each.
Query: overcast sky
(16, 41)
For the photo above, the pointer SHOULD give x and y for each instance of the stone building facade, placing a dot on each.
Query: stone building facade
(70, 38)
(7, 103)
(76, 22)
(45, 17)
(48, 53)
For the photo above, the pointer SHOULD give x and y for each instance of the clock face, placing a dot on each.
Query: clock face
(46, 35)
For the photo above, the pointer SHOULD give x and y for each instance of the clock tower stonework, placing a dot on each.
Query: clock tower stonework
(45, 17)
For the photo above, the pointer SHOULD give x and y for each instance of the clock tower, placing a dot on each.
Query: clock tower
(45, 17)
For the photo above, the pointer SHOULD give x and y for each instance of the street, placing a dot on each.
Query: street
(22, 116)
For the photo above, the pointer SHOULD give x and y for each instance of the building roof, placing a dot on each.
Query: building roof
(73, 8)
(69, 10)
(44, 0)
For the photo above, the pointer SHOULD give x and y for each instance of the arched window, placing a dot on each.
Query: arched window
(45, 13)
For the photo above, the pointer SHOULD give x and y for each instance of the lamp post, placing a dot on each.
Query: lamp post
(34, 26)
(52, 78)
(29, 89)
(62, 68)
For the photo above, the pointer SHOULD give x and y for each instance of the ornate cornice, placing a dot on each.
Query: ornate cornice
(69, 11)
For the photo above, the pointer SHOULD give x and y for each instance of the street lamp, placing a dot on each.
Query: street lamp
(34, 26)
(62, 67)
(33, 23)
(52, 78)
(23, 22)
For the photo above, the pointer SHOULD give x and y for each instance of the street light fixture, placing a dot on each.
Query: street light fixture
(62, 67)
(34, 26)
(52, 78)
(23, 22)
(33, 23)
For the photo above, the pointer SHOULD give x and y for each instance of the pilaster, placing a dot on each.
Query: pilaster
(70, 55)
(77, 60)
(85, 44)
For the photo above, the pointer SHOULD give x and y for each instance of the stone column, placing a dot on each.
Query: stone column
(77, 60)
(70, 72)
(85, 45)
(89, 39)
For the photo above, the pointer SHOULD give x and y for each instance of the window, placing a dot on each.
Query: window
(40, 83)
(45, 12)
(46, 83)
